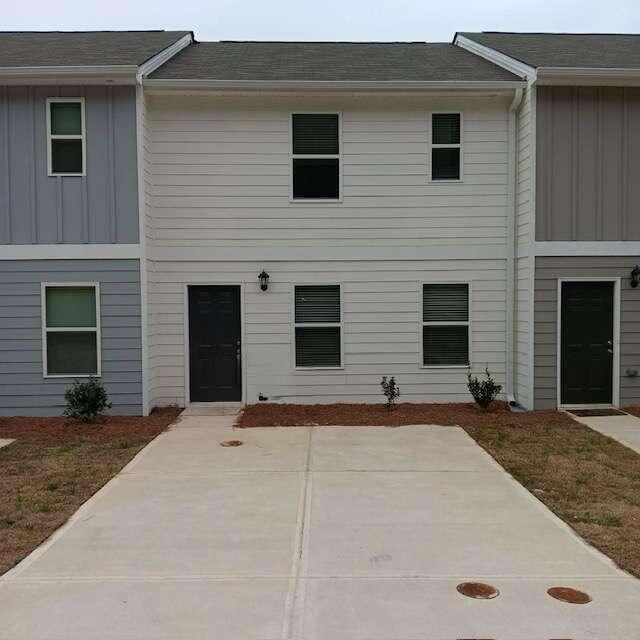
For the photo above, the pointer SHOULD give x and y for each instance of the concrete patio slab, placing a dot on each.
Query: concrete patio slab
(414, 609)
(182, 524)
(624, 429)
(196, 449)
(149, 610)
(410, 448)
(309, 534)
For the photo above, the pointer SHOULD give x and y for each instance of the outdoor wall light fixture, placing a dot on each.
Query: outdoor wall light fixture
(264, 280)
(635, 276)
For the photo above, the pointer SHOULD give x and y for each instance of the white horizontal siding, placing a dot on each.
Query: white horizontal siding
(219, 174)
(382, 332)
(217, 183)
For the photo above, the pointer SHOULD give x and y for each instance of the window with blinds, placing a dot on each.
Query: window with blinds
(318, 326)
(445, 325)
(315, 156)
(446, 149)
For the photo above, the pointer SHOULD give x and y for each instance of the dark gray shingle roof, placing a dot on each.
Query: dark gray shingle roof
(82, 48)
(329, 62)
(598, 51)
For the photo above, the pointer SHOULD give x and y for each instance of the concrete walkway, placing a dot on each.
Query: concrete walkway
(625, 429)
(331, 533)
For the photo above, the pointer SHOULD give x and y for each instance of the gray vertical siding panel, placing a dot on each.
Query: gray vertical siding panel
(99, 208)
(588, 144)
(23, 389)
(125, 162)
(548, 271)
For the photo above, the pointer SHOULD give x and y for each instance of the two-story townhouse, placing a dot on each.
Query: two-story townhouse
(70, 242)
(578, 229)
(319, 215)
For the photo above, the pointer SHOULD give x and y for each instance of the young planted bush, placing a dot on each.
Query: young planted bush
(391, 390)
(86, 400)
(484, 392)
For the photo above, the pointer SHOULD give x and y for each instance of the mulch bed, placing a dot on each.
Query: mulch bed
(460, 414)
(589, 480)
(55, 465)
(634, 411)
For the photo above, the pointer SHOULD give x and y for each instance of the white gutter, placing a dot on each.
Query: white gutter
(512, 211)
(323, 85)
(95, 70)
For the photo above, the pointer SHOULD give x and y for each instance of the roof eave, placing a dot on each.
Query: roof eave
(588, 76)
(166, 84)
(69, 74)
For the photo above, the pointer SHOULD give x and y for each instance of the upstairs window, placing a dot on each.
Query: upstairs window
(446, 152)
(71, 329)
(315, 156)
(445, 325)
(318, 326)
(66, 136)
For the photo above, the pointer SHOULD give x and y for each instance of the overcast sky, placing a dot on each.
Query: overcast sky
(325, 20)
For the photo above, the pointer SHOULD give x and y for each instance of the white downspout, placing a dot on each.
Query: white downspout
(512, 212)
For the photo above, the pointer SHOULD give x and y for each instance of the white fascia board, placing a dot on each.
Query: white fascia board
(161, 84)
(121, 74)
(588, 248)
(588, 76)
(166, 54)
(502, 60)
(69, 251)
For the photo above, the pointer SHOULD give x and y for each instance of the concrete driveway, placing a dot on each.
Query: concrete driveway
(331, 533)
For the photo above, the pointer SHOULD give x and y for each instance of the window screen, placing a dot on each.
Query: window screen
(315, 159)
(318, 326)
(445, 324)
(445, 146)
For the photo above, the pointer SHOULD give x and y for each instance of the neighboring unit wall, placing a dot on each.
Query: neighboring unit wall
(524, 257)
(101, 207)
(548, 271)
(23, 389)
(588, 163)
(218, 192)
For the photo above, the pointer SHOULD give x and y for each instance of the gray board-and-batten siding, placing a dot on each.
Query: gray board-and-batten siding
(100, 207)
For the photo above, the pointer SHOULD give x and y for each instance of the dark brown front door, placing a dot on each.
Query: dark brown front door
(586, 339)
(214, 344)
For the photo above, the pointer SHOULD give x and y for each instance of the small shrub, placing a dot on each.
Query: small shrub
(391, 390)
(484, 392)
(86, 400)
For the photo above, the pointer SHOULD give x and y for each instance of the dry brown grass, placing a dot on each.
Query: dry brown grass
(55, 465)
(591, 481)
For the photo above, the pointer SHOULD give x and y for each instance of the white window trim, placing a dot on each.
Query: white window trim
(615, 388)
(310, 156)
(295, 325)
(468, 324)
(45, 330)
(432, 146)
(82, 136)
